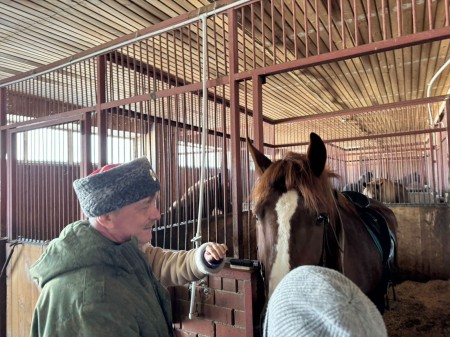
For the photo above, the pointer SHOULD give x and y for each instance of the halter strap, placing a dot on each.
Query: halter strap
(339, 238)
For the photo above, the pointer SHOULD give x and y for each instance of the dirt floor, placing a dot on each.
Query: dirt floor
(421, 309)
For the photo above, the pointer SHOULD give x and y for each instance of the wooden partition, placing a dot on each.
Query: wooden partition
(22, 292)
(228, 303)
(423, 242)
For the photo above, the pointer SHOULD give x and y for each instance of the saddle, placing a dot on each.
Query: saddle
(375, 224)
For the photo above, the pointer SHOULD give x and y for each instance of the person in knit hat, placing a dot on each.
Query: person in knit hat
(101, 277)
(314, 301)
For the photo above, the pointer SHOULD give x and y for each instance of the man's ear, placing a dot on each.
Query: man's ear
(105, 220)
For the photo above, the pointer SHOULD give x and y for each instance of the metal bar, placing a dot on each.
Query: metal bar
(317, 28)
(339, 55)
(154, 30)
(3, 168)
(355, 22)
(102, 126)
(294, 24)
(386, 135)
(369, 21)
(235, 142)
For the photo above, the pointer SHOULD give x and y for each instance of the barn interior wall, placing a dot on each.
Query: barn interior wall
(154, 108)
(228, 303)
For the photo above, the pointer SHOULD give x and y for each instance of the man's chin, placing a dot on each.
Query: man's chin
(145, 237)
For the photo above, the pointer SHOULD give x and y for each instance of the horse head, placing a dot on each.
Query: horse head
(292, 200)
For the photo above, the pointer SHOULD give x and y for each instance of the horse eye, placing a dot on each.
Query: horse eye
(321, 219)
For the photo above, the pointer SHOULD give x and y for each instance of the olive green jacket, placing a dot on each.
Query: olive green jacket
(92, 286)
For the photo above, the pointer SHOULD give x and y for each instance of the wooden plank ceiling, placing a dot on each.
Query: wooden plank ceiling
(38, 32)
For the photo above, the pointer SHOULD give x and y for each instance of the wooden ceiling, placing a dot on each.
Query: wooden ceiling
(38, 32)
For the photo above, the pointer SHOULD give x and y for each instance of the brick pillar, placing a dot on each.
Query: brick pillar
(228, 303)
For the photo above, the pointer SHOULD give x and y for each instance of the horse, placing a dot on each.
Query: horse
(359, 185)
(413, 182)
(385, 190)
(302, 220)
(186, 207)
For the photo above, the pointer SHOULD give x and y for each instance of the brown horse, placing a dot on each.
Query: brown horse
(385, 190)
(302, 220)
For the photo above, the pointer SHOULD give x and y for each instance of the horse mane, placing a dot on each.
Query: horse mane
(293, 172)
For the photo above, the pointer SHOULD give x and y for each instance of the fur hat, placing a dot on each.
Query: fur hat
(317, 301)
(115, 186)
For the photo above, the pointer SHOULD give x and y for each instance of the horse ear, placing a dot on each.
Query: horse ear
(317, 154)
(261, 161)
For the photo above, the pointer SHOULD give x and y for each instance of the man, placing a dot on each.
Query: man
(102, 277)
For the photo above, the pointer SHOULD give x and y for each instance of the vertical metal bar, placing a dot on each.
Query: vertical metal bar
(11, 177)
(330, 28)
(343, 25)
(257, 112)
(3, 166)
(252, 21)
(369, 21)
(263, 34)
(244, 56)
(447, 14)
(272, 18)
(101, 115)
(294, 23)
(433, 163)
(283, 29)
(225, 175)
(317, 27)
(305, 24)
(355, 21)
(430, 14)
(414, 15)
(235, 138)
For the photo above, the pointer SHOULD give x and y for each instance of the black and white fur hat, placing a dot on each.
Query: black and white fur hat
(115, 186)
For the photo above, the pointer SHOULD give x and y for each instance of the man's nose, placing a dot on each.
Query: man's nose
(155, 214)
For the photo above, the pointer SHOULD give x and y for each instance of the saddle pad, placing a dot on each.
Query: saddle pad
(374, 222)
(357, 198)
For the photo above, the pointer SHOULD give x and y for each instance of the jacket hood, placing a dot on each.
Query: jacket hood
(79, 246)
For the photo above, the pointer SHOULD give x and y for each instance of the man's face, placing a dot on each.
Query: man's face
(136, 219)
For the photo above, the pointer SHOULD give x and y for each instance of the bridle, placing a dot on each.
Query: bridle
(323, 219)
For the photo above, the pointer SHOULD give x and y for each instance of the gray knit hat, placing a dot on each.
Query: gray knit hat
(115, 186)
(316, 301)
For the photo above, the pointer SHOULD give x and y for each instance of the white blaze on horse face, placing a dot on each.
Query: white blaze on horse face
(285, 208)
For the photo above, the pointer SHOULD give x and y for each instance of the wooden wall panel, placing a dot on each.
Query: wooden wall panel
(22, 292)
(423, 242)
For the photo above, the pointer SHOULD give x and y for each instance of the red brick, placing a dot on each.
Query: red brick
(240, 286)
(239, 318)
(229, 284)
(227, 330)
(215, 313)
(215, 282)
(199, 326)
(237, 274)
(229, 300)
(181, 333)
